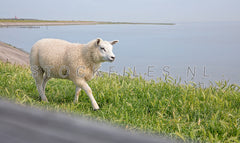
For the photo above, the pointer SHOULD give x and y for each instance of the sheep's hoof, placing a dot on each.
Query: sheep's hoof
(96, 109)
(75, 102)
(45, 100)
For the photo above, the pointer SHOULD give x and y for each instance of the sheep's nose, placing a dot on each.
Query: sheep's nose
(112, 58)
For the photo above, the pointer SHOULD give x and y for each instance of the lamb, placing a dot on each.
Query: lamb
(55, 58)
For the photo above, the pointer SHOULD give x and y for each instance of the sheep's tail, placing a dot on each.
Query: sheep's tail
(34, 59)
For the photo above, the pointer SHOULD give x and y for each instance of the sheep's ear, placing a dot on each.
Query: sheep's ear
(98, 41)
(114, 42)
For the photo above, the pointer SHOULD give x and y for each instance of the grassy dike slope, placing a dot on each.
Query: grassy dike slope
(165, 107)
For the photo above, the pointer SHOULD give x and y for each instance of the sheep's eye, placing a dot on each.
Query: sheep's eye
(103, 49)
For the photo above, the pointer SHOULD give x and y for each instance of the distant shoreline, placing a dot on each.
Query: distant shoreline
(32, 22)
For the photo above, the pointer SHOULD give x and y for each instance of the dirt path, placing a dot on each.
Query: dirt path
(13, 55)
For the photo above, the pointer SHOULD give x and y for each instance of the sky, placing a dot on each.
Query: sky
(124, 10)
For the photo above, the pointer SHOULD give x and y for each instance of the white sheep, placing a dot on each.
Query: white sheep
(55, 58)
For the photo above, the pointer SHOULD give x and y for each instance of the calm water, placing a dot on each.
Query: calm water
(199, 52)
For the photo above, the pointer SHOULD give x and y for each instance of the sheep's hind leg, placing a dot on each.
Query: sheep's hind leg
(39, 83)
(78, 89)
(45, 80)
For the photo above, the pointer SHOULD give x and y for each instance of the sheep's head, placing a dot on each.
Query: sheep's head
(105, 50)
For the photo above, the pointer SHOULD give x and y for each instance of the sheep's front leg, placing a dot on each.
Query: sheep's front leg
(88, 90)
(77, 91)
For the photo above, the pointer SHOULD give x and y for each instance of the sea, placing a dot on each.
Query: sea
(190, 53)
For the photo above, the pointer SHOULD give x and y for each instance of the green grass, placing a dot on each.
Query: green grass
(23, 20)
(35, 20)
(187, 112)
(67, 21)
